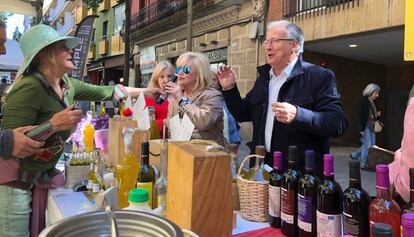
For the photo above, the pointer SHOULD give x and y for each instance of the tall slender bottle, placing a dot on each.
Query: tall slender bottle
(409, 208)
(383, 208)
(307, 190)
(257, 172)
(355, 204)
(381, 230)
(127, 171)
(275, 183)
(289, 195)
(161, 183)
(329, 204)
(154, 130)
(146, 175)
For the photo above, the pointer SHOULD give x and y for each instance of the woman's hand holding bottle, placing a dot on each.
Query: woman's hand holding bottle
(66, 119)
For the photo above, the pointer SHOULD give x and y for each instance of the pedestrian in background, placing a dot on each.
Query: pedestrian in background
(367, 114)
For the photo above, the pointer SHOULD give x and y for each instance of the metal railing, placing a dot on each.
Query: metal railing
(300, 9)
(160, 10)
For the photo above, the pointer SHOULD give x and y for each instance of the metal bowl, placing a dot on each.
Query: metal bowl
(97, 224)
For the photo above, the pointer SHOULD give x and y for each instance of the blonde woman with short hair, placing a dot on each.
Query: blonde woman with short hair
(163, 73)
(195, 96)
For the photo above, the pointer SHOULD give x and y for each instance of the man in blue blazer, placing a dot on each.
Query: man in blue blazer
(292, 102)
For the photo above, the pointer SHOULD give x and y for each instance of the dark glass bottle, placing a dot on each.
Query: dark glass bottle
(383, 208)
(307, 189)
(146, 174)
(329, 202)
(409, 208)
(381, 230)
(275, 182)
(355, 204)
(289, 194)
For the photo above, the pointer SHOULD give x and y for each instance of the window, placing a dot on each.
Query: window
(119, 17)
(105, 29)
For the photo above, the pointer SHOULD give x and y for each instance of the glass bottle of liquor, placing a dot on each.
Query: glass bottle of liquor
(329, 202)
(381, 230)
(257, 172)
(275, 183)
(289, 195)
(161, 183)
(154, 130)
(307, 190)
(409, 208)
(383, 208)
(127, 171)
(146, 174)
(96, 186)
(91, 176)
(355, 204)
(407, 221)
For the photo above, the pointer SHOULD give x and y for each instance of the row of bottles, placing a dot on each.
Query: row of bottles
(301, 205)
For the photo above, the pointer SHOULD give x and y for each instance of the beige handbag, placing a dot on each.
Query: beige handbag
(378, 126)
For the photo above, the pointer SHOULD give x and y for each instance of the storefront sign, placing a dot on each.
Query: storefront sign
(80, 52)
(217, 55)
(147, 60)
(409, 31)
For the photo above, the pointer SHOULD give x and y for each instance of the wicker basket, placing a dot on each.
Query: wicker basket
(254, 196)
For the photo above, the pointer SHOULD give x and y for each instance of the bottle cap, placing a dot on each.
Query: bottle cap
(293, 151)
(260, 150)
(277, 160)
(138, 195)
(382, 176)
(309, 159)
(381, 230)
(145, 149)
(328, 168)
(411, 171)
(354, 172)
(408, 220)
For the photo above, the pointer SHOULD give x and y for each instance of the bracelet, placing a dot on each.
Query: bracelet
(184, 101)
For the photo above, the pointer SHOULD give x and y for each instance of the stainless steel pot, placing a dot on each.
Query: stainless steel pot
(129, 224)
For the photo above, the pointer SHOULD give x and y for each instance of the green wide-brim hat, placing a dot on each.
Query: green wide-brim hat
(37, 38)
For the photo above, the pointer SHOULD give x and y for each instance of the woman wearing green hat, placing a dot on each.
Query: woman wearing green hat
(42, 90)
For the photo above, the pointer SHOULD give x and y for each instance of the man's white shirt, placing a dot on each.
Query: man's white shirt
(275, 84)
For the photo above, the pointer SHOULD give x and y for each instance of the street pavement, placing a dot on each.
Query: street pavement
(341, 168)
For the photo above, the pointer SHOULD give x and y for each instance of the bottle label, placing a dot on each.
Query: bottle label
(96, 187)
(328, 225)
(305, 213)
(90, 184)
(274, 201)
(351, 224)
(149, 187)
(288, 205)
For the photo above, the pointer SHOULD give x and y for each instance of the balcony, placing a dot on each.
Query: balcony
(117, 45)
(300, 9)
(80, 13)
(104, 5)
(91, 52)
(103, 47)
(164, 15)
(58, 9)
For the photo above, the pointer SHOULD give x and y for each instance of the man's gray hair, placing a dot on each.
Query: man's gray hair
(293, 31)
(370, 89)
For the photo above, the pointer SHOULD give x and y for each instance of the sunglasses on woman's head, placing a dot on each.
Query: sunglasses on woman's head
(185, 69)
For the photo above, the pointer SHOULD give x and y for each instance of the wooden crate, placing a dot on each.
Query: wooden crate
(116, 141)
(199, 193)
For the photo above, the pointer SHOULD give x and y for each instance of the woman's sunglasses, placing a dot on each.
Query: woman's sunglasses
(185, 69)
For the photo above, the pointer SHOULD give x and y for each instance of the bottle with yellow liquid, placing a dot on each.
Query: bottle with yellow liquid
(127, 171)
(103, 110)
(88, 133)
(146, 175)
(257, 172)
(154, 130)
